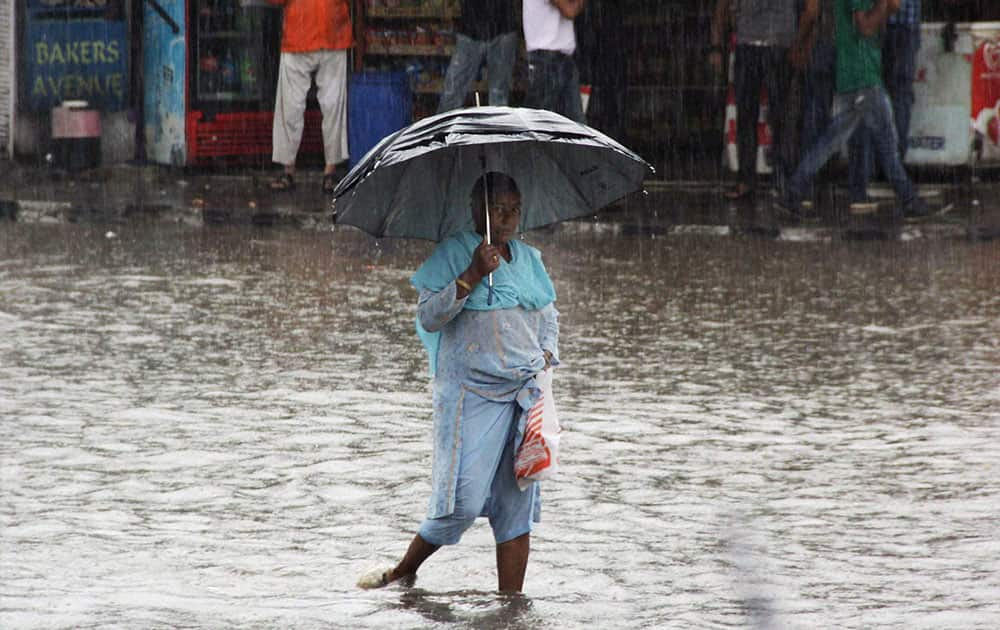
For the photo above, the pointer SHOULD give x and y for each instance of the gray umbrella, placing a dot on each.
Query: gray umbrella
(416, 182)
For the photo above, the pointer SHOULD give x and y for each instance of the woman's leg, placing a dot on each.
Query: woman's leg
(418, 551)
(485, 427)
(511, 511)
(512, 562)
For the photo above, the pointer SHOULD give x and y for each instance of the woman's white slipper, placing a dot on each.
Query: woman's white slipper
(376, 578)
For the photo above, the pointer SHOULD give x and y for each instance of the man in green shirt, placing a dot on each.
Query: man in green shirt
(863, 101)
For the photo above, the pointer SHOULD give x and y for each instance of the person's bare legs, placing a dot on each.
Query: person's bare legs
(512, 562)
(418, 551)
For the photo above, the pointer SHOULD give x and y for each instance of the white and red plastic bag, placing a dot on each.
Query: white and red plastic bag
(537, 457)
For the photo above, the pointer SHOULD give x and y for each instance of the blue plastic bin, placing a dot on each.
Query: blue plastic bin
(378, 103)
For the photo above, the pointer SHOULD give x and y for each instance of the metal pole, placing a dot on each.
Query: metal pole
(12, 103)
(486, 209)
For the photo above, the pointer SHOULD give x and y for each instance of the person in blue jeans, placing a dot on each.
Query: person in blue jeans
(765, 31)
(815, 53)
(550, 39)
(899, 62)
(486, 31)
(863, 102)
(900, 44)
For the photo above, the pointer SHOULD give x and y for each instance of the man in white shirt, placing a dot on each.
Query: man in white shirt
(553, 78)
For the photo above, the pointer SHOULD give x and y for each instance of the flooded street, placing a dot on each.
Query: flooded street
(224, 427)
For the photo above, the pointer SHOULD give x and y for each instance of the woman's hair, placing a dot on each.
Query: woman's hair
(496, 183)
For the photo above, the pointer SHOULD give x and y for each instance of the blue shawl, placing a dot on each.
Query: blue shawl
(521, 282)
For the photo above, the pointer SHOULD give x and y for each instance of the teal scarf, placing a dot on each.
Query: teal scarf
(521, 282)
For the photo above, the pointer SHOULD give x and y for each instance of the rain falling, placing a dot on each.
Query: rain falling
(778, 385)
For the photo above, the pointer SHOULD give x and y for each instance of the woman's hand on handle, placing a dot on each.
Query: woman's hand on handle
(485, 261)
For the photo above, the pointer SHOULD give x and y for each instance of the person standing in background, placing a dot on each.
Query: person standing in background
(899, 65)
(863, 101)
(765, 30)
(815, 53)
(900, 45)
(486, 31)
(315, 37)
(602, 58)
(553, 78)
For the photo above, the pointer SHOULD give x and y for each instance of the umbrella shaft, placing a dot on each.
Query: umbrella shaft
(489, 238)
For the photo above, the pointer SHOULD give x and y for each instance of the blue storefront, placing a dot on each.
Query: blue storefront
(74, 50)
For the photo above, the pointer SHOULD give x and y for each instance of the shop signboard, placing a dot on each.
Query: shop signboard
(957, 89)
(939, 127)
(73, 52)
(986, 92)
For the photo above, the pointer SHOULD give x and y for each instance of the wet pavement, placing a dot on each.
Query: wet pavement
(151, 193)
(223, 426)
(146, 193)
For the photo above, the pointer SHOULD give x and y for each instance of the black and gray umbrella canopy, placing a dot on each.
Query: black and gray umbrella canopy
(416, 182)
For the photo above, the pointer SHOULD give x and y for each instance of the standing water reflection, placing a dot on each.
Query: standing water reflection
(223, 427)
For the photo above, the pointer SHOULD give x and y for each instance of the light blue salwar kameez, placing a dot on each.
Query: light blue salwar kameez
(483, 359)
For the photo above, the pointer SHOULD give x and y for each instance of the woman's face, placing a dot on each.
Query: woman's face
(505, 216)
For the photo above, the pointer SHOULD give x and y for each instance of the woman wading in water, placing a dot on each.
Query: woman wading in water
(484, 352)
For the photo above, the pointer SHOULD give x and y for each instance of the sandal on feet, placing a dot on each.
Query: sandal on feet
(376, 578)
(283, 182)
(329, 183)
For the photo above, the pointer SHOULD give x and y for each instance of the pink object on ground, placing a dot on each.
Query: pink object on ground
(75, 122)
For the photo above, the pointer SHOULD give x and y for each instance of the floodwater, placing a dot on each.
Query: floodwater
(224, 427)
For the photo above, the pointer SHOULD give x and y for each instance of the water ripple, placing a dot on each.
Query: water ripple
(223, 427)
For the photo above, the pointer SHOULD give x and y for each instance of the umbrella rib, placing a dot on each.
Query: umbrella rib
(569, 177)
(451, 177)
(396, 209)
(619, 171)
